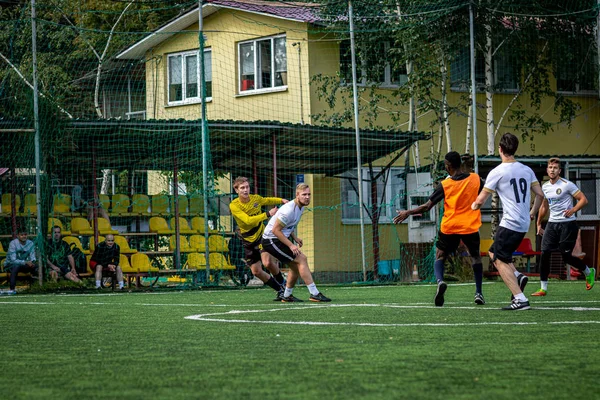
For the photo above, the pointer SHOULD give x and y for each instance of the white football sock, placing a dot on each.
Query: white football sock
(312, 288)
(288, 292)
(544, 285)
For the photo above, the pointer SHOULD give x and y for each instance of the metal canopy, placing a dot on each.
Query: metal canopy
(234, 145)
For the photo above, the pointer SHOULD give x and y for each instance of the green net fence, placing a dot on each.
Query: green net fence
(148, 110)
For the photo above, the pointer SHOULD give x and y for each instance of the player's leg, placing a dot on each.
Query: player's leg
(568, 237)
(505, 243)
(272, 265)
(446, 244)
(550, 242)
(473, 241)
(253, 258)
(279, 253)
(97, 268)
(304, 271)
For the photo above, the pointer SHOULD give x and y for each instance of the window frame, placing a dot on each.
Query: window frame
(390, 200)
(578, 169)
(363, 67)
(186, 100)
(459, 86)
(256, 70)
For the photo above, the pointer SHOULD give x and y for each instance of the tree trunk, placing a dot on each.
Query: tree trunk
(490, 125)
(444, 70)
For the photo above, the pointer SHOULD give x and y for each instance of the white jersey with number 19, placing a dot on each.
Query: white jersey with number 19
(513, 181)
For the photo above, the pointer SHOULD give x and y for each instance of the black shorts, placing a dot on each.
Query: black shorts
(252, 251)
(449, 243)
(561, 236)
(278, 250)
(505, 243)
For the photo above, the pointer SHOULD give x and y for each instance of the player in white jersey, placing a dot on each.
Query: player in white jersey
(514, 183)
(561, 230)
(276, 241)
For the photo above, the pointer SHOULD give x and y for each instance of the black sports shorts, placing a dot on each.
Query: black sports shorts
(252, 251)
(505, 243)
(561, 236)
(278, 250)
(448, 243)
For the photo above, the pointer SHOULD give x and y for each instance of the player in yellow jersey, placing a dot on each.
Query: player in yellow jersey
(248, 214)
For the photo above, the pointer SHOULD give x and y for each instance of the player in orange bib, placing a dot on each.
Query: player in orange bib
(459, 190)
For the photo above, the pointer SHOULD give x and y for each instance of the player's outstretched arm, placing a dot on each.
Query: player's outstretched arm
(480, 200)
(403, 215)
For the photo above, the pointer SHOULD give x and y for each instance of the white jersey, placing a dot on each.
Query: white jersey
(560, 199)
(513, 181)
(289, 215)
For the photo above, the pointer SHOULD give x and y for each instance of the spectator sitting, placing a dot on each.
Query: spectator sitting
(60, 260)
(106, 258)
(20, 258)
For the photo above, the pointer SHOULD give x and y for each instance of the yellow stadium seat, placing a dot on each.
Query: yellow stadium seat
(120, 205)
(30, 206)
(81, 226)
(104, 227)
(159, 225)
(184, 227)
(218, 261)
(73, 240)
(7, 203)
(141, 263)
(140, 203)
(196, 206)
(124, 264)
(92, 242)
(184, 245)
(2, 252)
(198, 243)
(104, 201)
(198, 225)
(61, 204)
(123, 245)
(183, 204)
(52, 222)
(217, 243)
(484, 246)
(160, 204)
(196, 261)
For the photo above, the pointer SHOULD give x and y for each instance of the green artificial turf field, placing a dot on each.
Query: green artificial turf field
(370, 342)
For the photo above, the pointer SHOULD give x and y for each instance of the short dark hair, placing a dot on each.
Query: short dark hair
(56, 227)
(509, 144)
(554, 160)
(454, 159)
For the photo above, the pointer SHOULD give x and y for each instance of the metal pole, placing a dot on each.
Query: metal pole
(473, 87)
(36, 122)
(357, 130)
(598, 42)
(299, 44)
(204, 132)
(176, 206)
(274, 165)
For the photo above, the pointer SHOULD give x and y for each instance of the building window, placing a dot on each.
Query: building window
(577, 69)
(263, 64)
(374, 67)
(184, 77)
(505, 69)
(587, 181)
(390, 188)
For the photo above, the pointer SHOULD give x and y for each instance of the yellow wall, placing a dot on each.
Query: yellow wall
(223, 31)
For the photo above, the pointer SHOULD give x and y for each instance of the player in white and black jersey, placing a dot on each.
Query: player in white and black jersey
(276, 241)
(561, 230)
(514, 183)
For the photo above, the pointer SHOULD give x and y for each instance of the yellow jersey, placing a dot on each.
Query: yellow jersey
(249, 216)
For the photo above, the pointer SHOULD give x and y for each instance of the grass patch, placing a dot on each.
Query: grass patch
(371, 342)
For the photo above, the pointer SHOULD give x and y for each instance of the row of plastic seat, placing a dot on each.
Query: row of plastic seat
(119, 205)
(159, 225)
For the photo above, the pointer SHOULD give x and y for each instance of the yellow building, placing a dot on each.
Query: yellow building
(261, 63)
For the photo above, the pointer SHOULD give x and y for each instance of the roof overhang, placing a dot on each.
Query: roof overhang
(234, 146)
(138, 50)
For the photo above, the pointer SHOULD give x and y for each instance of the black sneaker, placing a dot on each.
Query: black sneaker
(291, 299)
(522, 280)
(279, 296)
(319, 298)
(479, 300)
(517, 305)
(439, 294)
